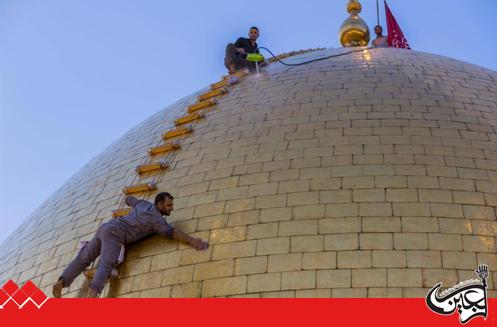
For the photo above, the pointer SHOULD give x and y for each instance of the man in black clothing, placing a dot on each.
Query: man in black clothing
(236, 54)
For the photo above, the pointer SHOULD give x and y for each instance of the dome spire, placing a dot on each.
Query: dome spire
(354, 31)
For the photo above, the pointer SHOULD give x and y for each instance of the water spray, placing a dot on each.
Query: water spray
(255, 57)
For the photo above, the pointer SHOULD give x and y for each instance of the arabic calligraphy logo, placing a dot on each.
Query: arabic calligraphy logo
(29, 292)
(469, 298)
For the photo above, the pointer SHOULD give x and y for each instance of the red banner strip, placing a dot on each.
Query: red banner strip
(234, 312)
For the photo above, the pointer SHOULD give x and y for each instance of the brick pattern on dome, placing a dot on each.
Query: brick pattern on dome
(368, 175)
(291, 54)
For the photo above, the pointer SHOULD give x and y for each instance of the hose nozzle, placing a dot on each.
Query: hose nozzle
(257, 57)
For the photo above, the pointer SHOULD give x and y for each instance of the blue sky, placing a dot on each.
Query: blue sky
(76, 75)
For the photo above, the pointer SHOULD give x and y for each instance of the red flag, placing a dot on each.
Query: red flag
(396, 38)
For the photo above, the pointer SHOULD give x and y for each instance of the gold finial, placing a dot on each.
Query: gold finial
(354, 31)
(354, 5)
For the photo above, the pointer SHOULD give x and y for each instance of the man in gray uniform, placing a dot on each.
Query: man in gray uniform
(145, 219)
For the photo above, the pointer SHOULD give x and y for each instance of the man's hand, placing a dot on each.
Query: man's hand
(240, 50)
(198, 244)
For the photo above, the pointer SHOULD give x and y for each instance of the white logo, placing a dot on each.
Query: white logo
(469, 298)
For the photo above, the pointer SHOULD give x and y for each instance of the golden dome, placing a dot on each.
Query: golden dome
(354, 31)
(365, 175)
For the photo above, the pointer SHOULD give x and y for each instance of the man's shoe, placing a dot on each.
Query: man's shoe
(114, 274)
(92, 293)
(57, 288)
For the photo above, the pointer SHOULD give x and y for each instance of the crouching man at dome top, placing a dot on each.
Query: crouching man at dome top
(145, 219)
(236, 54)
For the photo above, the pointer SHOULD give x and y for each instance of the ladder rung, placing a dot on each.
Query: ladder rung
(177, 132)
(240, 73)
(146, 168)
(201, 105)
(166, 147)
(146, 187)
(223, 83)
(188, 118)
(121, 212)
(212, 94)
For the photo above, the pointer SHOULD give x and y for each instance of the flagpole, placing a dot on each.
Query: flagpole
(377, 13)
